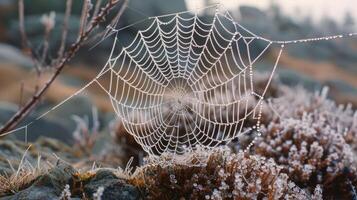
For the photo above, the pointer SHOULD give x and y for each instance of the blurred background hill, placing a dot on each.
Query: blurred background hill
(313, 65)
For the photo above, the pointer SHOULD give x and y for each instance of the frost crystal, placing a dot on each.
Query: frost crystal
(66, 193)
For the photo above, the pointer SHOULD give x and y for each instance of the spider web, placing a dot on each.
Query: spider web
(187, 82)
(174, 83)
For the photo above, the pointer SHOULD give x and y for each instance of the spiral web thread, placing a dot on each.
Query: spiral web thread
(173, 85)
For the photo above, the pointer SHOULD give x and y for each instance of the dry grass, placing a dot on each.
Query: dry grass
(23, 177)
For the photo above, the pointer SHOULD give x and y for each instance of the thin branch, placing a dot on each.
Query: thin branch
(119, 14)
(22, 85)
(96, 8)
(48, 22)
(24, 40)
(65, 28)
(84, 17)
(114, 22)
(25, 110)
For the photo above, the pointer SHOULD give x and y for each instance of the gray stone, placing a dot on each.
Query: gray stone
(34, 193)
(114, 188)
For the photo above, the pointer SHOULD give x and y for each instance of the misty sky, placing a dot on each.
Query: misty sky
(335, 9)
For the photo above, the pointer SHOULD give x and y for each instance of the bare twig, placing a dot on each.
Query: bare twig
(96, 8)
(65, 28)
(119, 14)
(48, 22)
(24, 40)
(84, 17)
(114, 23)
(21, 94)
(31, 103)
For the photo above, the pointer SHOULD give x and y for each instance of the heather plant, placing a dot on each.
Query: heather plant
(293, 103)
(311, 153)
(311, 138)
(225, 175)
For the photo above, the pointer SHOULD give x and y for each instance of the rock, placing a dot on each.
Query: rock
(114, 188)
(48, 186)
(56, 178)
(10, 54)
(34, 193)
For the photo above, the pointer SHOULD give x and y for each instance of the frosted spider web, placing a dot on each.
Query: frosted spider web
(172, 71)
(187, 82)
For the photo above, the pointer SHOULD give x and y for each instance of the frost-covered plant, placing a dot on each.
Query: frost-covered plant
(311, 152)
(317, 193)
(98, 194)
(66, 193)
(293, 103)
(224, 176)
(84, 134)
